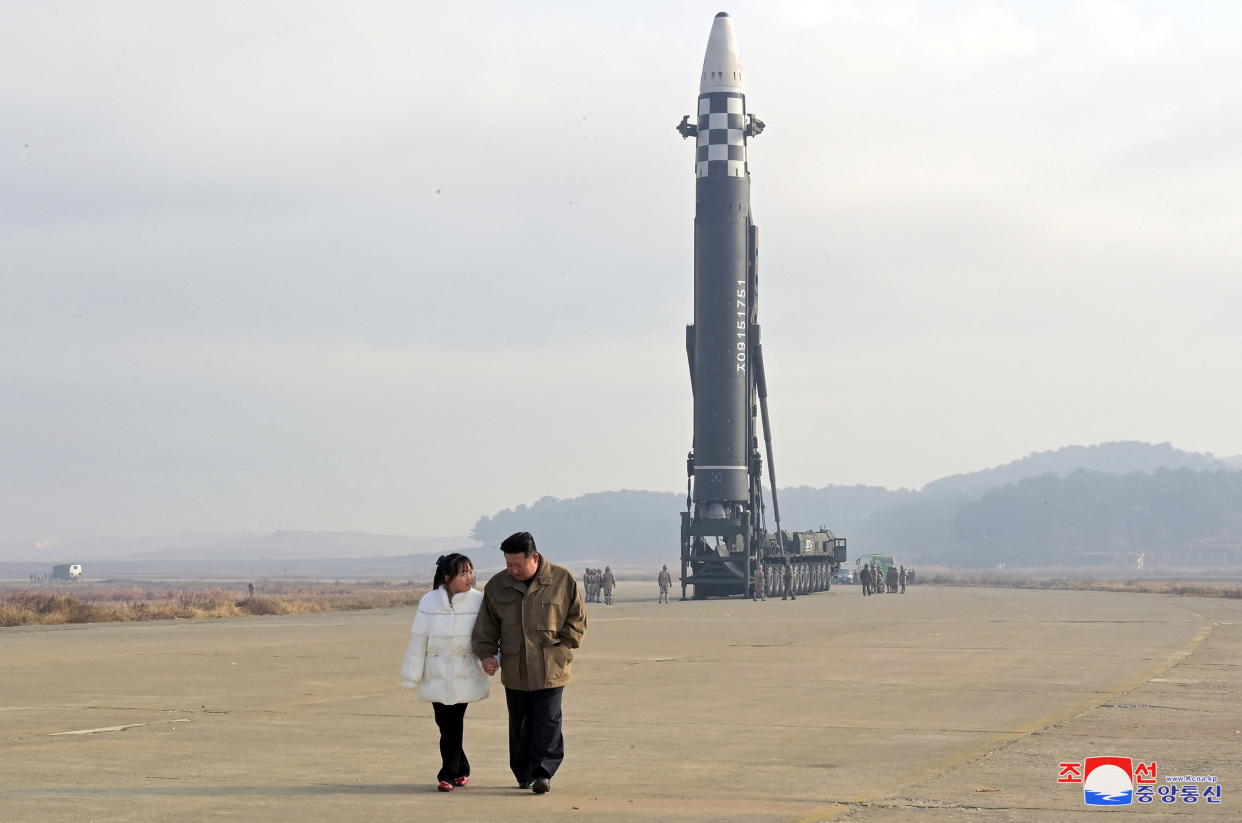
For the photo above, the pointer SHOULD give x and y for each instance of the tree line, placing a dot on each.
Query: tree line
(1048, 509)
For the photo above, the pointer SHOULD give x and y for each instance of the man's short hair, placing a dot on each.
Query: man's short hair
(519, 543)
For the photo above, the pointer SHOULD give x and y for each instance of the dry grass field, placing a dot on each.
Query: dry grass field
(1224, 583)
(24, 605)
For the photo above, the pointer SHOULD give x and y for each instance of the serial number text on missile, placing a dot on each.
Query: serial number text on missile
(741, 326)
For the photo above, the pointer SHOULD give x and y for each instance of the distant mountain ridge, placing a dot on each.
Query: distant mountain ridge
(947, 520)
(962, 517)
(1117, 457)
(289, 544)
(285, 544)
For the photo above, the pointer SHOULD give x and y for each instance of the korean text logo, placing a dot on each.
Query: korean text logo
(1120, 781)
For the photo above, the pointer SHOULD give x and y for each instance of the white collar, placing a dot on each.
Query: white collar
(462, 598)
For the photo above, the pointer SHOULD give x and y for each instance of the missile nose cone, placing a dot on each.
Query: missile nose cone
(722, 66)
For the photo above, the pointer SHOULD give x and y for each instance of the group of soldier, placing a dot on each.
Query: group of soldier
(760, 590)
(877, 580)
(597, 582)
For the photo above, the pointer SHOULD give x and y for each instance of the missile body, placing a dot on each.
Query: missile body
(724, 533)
(722, 235)
(724, 500)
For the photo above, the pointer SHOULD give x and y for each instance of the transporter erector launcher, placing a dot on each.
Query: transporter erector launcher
(723, 531)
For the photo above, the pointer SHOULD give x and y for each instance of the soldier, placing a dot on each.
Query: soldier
(901, 579)
(760, 592)
(665, 580)
(788, 577)
(610, 583)
(892, 579)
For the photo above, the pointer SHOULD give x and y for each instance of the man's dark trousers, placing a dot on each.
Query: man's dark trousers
(536, 745)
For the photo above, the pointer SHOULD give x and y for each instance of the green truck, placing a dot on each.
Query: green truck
(876, 560)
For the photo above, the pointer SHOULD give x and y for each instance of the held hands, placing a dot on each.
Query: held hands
(492, 664)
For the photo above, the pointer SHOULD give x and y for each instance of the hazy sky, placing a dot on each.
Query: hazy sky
(390, 266)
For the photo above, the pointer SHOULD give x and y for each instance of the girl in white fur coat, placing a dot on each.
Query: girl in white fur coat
(440, 664)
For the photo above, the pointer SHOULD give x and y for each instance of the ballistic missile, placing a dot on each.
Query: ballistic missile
(724, 532)
(719, 343)
(723, 528)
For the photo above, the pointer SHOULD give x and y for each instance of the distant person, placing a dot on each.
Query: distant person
(901, 579)
(609, 582)
(592, 585)
(864, 577)
(761, 585)
(250, 588)
(892, 579)
(532, 618)
(441, 664)
(665, 581)
(788, 576)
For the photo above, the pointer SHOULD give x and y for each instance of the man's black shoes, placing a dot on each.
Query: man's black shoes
(542, 785)
(525, 784)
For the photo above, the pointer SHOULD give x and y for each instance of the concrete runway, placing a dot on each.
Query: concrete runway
(943, 704)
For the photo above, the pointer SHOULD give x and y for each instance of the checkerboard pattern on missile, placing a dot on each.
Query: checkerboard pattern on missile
(722, 135)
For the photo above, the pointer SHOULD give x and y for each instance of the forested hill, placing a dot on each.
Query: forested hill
(1120, 457)
(621, 527)
(1077, 504)
(1069, 520)
(633, 528)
